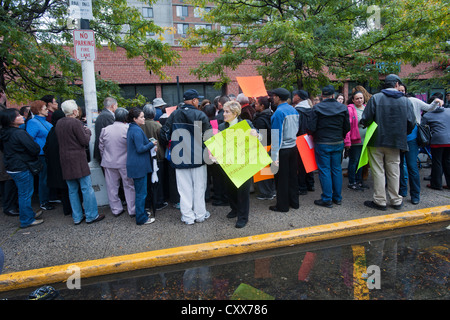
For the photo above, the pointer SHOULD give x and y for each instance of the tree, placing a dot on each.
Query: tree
(35, 34)
(299, 43)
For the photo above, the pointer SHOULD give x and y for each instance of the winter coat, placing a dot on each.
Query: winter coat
(113, 145)
(193, 123)
(38, 128)
(73, 138)
(18, 149)
(353, 135)
(138, 153)
(104, 119)
(330, 122)
(394, 115)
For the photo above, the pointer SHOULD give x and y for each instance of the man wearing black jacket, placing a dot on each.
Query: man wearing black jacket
(329, 124)
(185, 129)
(393, 113)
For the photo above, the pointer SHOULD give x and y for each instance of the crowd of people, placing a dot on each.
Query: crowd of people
(138, 150)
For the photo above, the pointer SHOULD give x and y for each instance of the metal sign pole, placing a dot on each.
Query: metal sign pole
(90, 100)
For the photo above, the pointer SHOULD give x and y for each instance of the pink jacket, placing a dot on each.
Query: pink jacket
(353, 135)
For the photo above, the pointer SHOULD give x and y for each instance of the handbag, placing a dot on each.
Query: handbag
(423, 135)
(35, 166)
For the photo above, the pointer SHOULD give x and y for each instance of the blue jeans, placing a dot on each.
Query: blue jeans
(25, 187)
(89, 200)
(140, 188)
(328, 159)
(43, 189)
(412, 173)
(354, 153)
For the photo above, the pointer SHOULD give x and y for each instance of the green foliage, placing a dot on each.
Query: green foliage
(35, 34)
(298, 43)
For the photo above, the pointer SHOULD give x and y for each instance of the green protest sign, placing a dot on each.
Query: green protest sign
(240, 154)
(364, 158)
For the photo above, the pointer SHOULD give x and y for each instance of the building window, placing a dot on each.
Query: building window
(147, 12)
(173, 96)
(200, 12)
(182, 28)
(203, 26)
(128, 91)
(182, 11)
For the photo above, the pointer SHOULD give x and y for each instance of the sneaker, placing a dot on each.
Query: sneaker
(47, 206)
(323, 203)
(373, 205)
(355, 187)
(176, 205)
(34, 223)
(150, 220)
(265, 197)
(397, 206)
(38, 214)
(12, 213)
(162, 206)
(207, 215)
(363, 185)
(44, 293)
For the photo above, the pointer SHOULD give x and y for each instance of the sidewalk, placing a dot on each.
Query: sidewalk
(117, 244)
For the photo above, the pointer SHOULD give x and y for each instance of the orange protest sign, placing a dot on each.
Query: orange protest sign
(169, 110)
(265, 173)
(306, 149)
(252, 86)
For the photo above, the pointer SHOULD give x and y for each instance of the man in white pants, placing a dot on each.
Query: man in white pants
(185, 129)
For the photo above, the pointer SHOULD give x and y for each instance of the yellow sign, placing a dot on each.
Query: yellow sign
(240, 154)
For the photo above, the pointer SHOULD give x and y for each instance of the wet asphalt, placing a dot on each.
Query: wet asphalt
(58, 241)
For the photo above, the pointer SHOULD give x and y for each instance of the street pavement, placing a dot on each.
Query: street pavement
(58, 241)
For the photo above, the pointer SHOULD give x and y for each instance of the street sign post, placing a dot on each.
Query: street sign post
(84, 47)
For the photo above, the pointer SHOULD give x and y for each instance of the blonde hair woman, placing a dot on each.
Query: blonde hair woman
(239, 198)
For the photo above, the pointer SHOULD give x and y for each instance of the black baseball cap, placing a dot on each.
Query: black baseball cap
(191, 94)
(328, 90)
(302, 94)
(283, 93)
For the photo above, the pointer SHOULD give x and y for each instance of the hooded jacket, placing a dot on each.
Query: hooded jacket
(394, 115)
(18, 149)
(329, 122)
(185, 129)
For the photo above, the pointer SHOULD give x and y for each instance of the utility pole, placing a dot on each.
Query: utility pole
(90, 102)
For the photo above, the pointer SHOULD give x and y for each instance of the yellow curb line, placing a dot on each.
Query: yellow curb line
(150, 259)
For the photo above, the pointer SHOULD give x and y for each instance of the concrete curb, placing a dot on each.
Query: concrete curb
(111, 265)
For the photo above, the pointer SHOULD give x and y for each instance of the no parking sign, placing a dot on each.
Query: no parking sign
(84, 44)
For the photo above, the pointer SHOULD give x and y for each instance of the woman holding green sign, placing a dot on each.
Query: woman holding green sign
(354, 141)
(239, 198)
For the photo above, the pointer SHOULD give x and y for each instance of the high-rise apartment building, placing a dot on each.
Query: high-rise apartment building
(175, 15)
